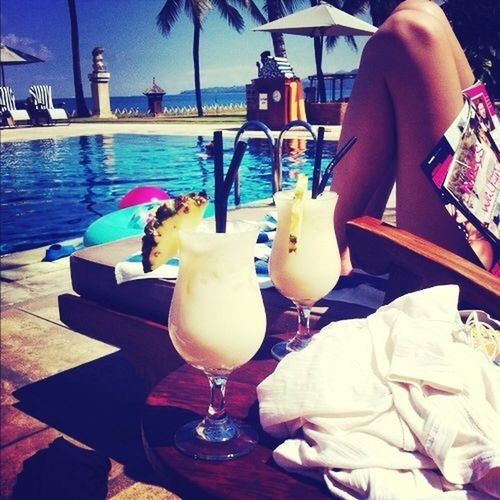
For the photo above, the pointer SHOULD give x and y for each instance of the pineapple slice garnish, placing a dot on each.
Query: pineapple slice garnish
(297, 213)
(161, 240)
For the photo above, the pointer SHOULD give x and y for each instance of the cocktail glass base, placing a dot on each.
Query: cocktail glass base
(188, 441)
(281, 349)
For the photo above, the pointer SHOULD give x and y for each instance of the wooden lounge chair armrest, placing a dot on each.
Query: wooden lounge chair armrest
(379, 248)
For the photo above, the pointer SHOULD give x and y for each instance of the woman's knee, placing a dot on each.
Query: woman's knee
(413, 29)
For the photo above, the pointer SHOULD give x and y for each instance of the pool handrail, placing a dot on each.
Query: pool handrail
(254, 125)
(278, 157)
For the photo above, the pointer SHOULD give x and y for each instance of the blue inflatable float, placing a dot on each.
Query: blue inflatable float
(135, 208)
(123, 223)
(129, 221)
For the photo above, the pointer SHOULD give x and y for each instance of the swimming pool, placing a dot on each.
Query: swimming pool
(53, 189)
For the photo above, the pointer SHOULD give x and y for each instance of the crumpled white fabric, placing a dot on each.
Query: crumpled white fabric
(390, 406)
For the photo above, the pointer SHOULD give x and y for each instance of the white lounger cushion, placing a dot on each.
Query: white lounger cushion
(42, 99)
(57, 113)
(19, 114)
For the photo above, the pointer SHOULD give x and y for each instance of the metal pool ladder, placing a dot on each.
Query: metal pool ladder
(253, 125)
(278, 156)
(275, 147)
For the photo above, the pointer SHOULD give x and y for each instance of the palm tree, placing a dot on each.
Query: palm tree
(81, 107)
(197, 10)
(274, 10)
(352, 7)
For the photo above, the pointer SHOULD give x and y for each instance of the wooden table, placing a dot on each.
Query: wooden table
(183, 396)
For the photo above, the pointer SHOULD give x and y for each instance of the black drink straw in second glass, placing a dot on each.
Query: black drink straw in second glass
(336, 159)
(317, 162)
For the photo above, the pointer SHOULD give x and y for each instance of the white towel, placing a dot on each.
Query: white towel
(131, 269)
(375, 405)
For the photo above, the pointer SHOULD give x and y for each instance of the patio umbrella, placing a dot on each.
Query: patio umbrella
(320, 20)
(11, 56)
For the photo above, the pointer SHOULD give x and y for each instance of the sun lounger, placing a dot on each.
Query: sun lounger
(8, 109)
(133, 315)
(43, 107)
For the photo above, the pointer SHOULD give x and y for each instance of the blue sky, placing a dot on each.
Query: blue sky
(135, 50)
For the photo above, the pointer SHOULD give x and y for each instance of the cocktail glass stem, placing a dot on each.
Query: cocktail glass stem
(217, 436)
(301, 338)
(216, 426)
(303, 335)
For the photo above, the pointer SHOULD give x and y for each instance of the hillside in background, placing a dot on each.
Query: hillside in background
(241, 88)
(217, 90)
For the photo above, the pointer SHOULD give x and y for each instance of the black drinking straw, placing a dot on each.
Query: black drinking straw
(317, 162)
(218, 180)
(336, 159)
(223, 186)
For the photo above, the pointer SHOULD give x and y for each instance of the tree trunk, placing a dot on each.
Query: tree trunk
(196, 62)
(277, 38)
(81, 107)
(279, 45)
(318, 56)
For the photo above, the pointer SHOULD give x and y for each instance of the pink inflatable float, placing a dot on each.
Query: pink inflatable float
(143, 194)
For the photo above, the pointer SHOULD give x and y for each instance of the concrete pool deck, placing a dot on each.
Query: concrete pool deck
(56, 382)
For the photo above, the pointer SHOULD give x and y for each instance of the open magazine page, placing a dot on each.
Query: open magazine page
(465, 169)
(485, 110)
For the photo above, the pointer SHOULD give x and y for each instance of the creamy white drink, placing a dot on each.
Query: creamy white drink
(310, 271)
(217, 319)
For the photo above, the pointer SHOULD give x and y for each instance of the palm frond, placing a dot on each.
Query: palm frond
(254, 11)
(230, 14)
(197, 10)
(334, 3)
(293, 5)
(354, 7)
(286, 7)
(168, 15)
(283, 7)
(331, 42)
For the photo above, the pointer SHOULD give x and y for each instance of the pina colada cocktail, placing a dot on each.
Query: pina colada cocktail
(305, 260)
(217, 323)
(217, 319)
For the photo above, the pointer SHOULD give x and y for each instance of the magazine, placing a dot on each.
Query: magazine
(465, 169)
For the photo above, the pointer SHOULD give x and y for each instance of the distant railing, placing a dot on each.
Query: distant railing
(211, 109)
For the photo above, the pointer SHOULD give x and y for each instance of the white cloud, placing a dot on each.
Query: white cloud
(27, 45)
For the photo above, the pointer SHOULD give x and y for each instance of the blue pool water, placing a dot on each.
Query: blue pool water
(53, 189)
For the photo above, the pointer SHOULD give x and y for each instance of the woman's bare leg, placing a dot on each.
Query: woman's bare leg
(371, 162)
(407, 93)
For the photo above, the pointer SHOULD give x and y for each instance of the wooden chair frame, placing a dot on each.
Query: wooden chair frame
(415, 263)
